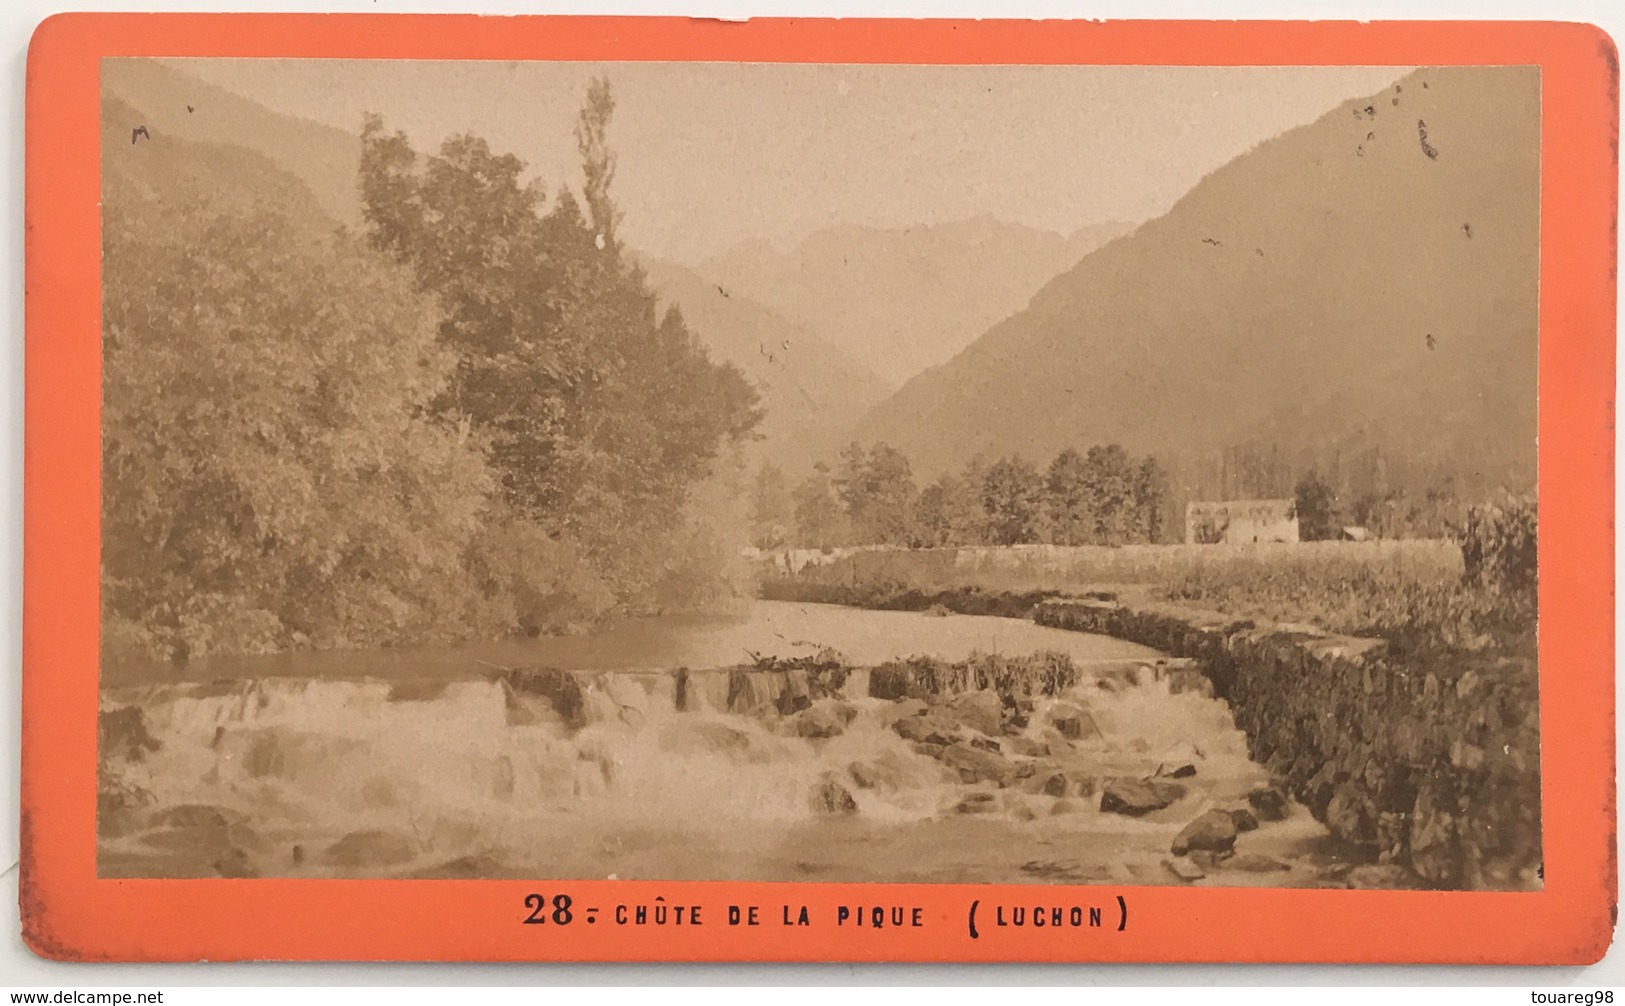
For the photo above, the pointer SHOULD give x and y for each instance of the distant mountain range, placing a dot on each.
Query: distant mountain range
(903, 299)
(1366, 281)
(198, 137)
(176, 105)
(813, 391)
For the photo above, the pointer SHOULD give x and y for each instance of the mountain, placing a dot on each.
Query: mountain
(902, 299)
(1366, 282)
(812, 392)
(174, 104)
(179, 175)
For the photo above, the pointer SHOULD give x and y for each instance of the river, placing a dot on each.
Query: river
(430, 763)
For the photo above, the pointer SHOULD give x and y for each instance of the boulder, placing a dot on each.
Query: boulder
(1389, 877)
(1244, 819)
(1135, 797)
(831, 798)
(1029, 748)
(1184, 771)
(1183, 869)
(1254, 862)
(372, 848)
(823, 720)
(1435, 850)
(1072, 722)
(927, 728)
(981, 711)
(1348, 815)
(124, 735)
(977, 803)
(1056, 785)
(1269, 803)
(1214, 831)
(976, 765)
(796, 694)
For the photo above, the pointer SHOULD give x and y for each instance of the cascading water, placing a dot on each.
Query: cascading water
(725, 774)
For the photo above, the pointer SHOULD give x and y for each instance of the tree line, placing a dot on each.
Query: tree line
(467, 418)
(1100, 496)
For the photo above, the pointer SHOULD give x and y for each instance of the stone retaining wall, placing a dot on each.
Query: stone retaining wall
(1435, 769)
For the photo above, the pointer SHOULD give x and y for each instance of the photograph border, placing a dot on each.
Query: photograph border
(68, 913)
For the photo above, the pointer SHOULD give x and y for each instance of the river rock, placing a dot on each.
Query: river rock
(1184, 771)
(197, 817)
(1214, 831)
(123, 735)
(1348, 814)
(1387, 877)
(831, 798)
(1027, 747)
(371, 848)
(1183, 869)
(1269, 803)
(928, 728)
(560, 689)
(976, 765)
(1072, 722)
(824, 719)
(1135, 797)
(982, 711)
(1056, 784)
(795, 695)
(1255, 862)
(1244, 819)
(235, 864)
(977, 803)
(1435, 852)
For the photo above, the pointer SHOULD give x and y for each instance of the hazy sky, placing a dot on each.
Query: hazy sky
(711, 154)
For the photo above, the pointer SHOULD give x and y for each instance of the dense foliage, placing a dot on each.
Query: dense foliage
(468, 421)
(1103, 496)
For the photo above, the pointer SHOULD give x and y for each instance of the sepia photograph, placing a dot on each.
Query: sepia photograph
(814, 472)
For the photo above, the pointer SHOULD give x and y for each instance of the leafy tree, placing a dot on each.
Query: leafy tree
(600, 414)
(772, 511)
(1067, 500)
(1150, 501)
(877, 489)
(1013, 498)
(1109, 488)
(819, 522)
(272, 473)
(966, 511)
(1316, 507)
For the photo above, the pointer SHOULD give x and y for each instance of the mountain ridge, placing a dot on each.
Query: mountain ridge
(1358, 266)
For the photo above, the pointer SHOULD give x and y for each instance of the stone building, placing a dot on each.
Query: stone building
(1236, 522)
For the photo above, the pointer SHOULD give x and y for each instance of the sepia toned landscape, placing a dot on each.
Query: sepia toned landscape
(1050, 475)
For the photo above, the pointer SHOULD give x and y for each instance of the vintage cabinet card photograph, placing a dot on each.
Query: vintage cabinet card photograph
(659, 489)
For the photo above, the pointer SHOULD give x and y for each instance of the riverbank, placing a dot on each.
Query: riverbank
(1418, 744)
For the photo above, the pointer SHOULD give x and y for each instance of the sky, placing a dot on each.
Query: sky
(711, 155)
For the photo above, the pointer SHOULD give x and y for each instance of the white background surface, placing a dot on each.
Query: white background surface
(19, 967)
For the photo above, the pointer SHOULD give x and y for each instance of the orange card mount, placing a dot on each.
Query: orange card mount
(656, 489)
